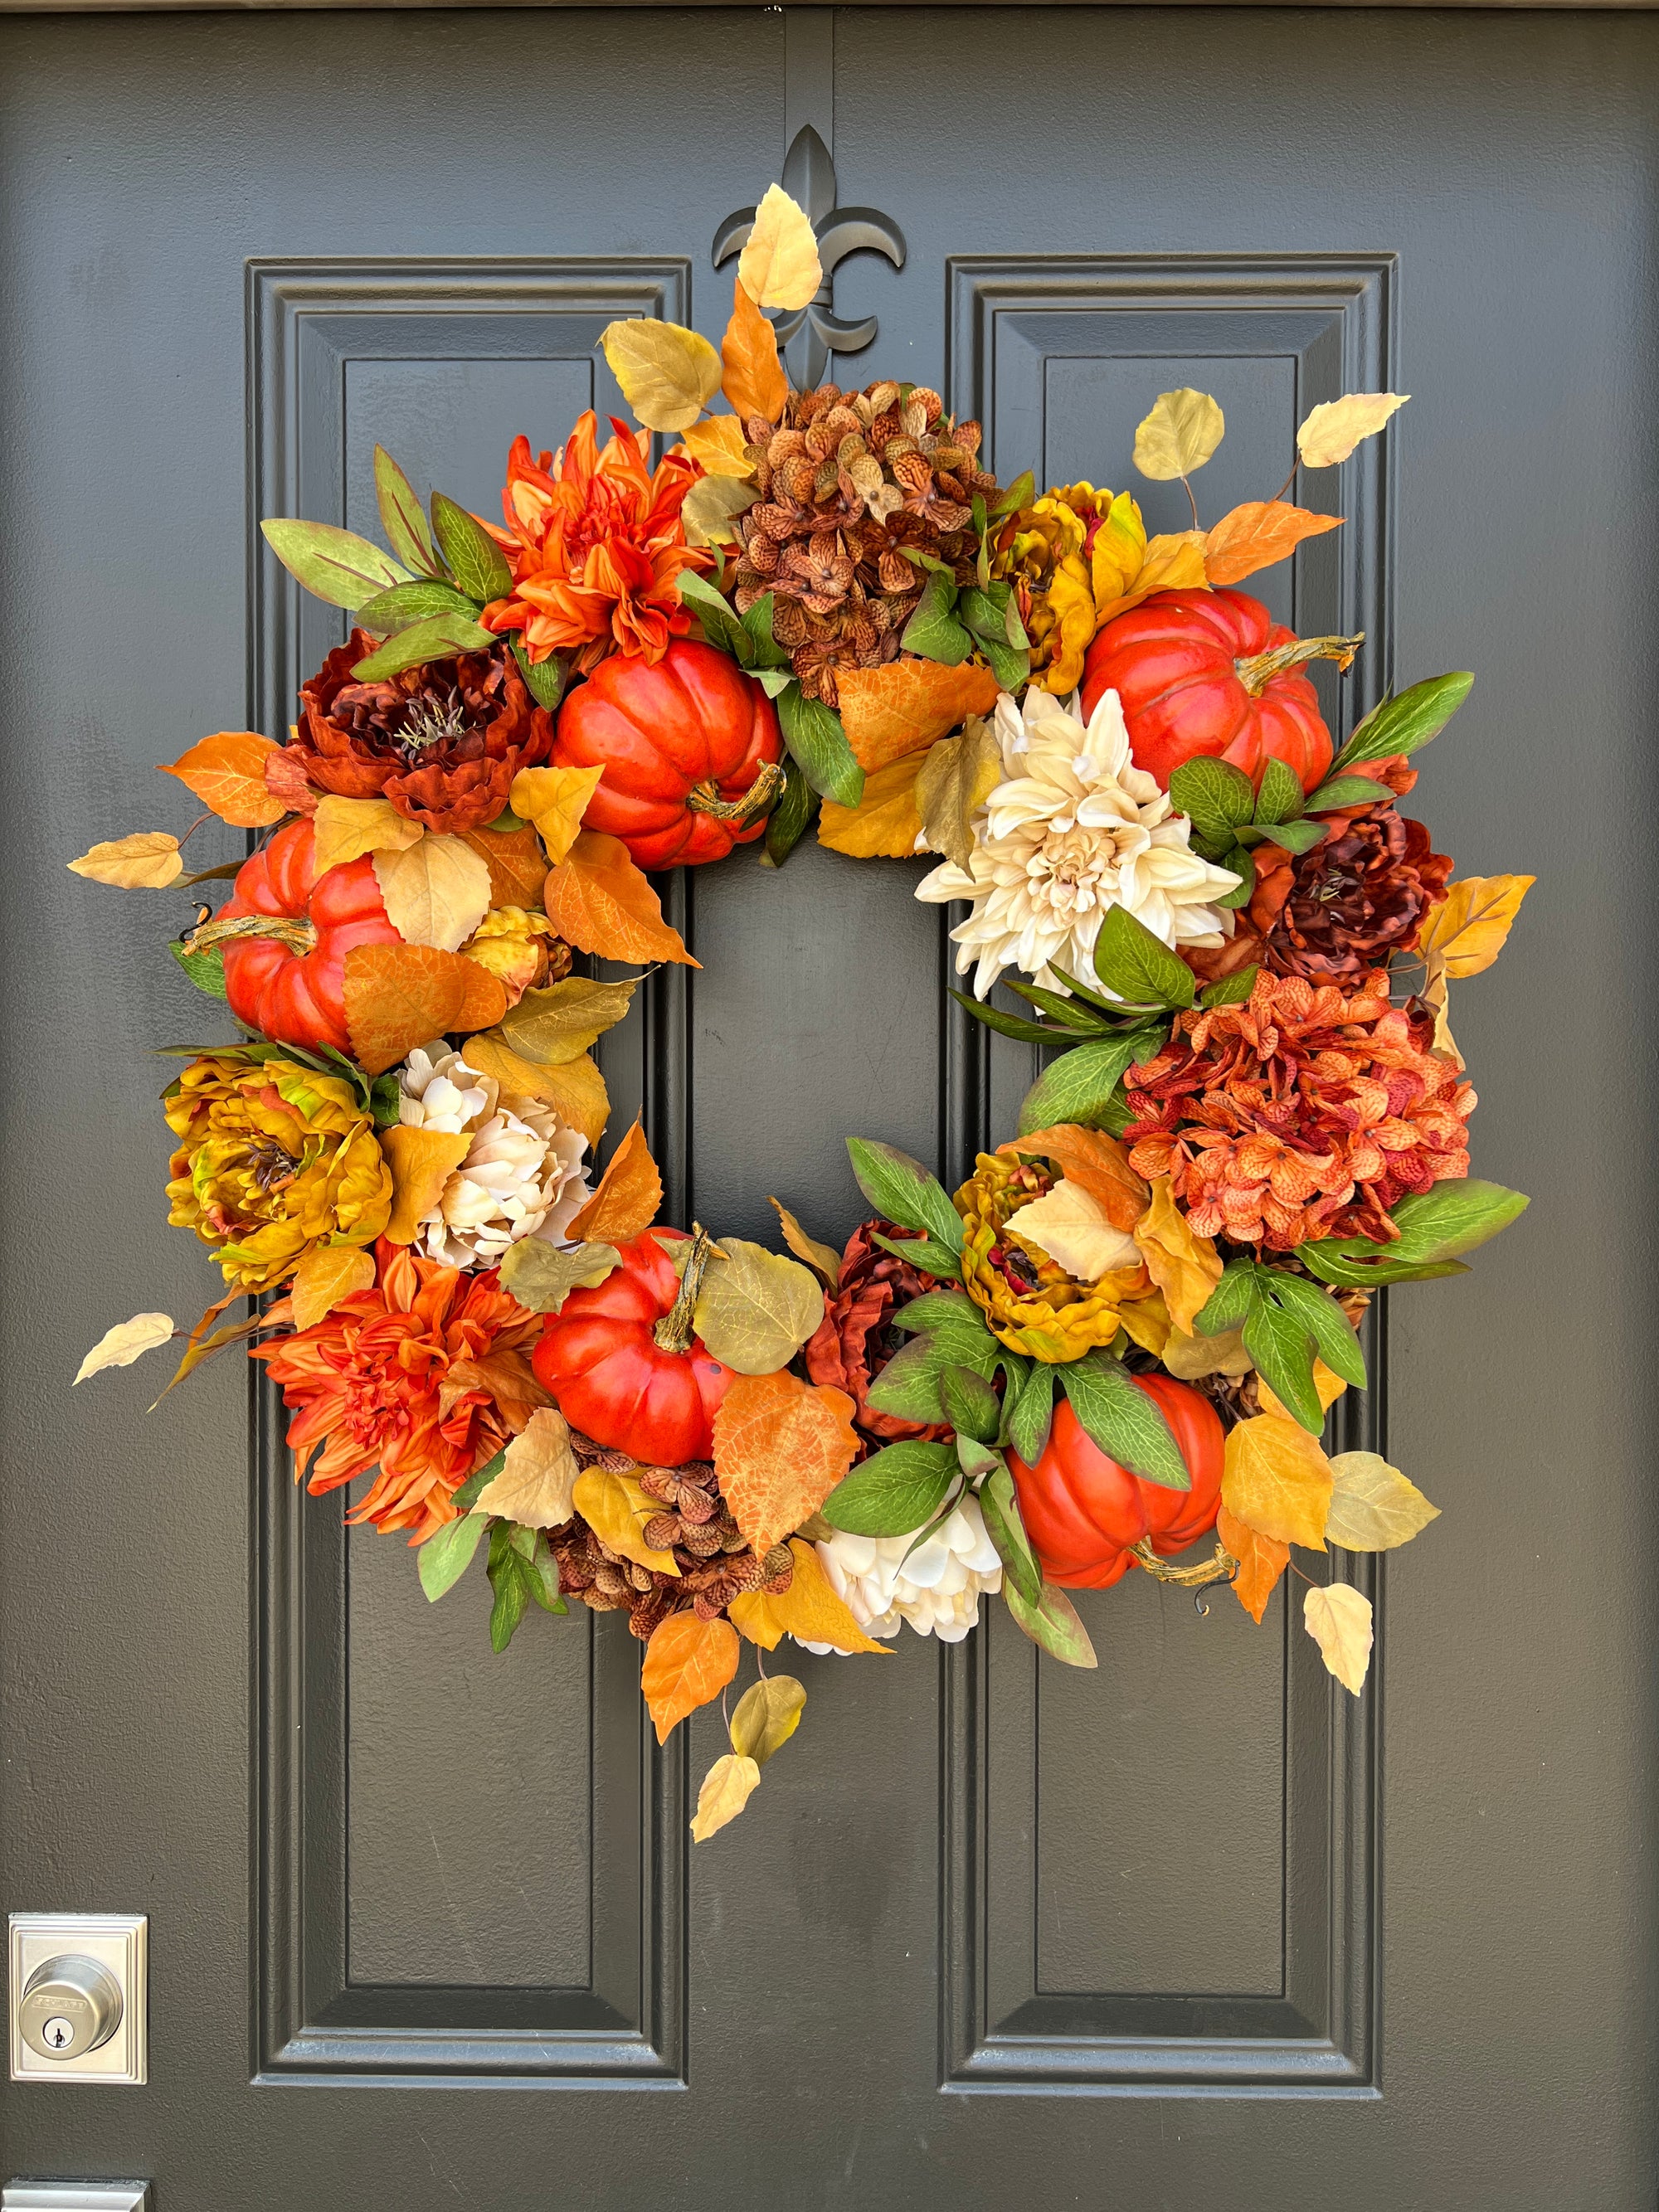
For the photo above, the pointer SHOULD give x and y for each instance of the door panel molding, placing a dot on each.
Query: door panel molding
(310, 324)
(1019, 327)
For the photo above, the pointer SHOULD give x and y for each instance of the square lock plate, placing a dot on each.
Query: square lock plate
(69, 1976)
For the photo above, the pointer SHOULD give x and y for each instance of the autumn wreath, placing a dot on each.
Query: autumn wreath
(1119, 1339)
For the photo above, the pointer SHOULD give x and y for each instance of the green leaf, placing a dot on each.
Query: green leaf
(721, 626)
(1082, 991)
(1244, 868)
(1011, 665)
(1032, 1413)
(1019, 494)
(977, 1460)
(1066, 1011)
(336, 565)
(543, 1577)
(908, 1385)
(1139, 967)
(1280, 798)
(511, 1584)
(386, 1102)
(1009, 1025)
(933, 632)
(1346, 791)
(1401, 725)
(1217, 797)
(902, 1189)
(1332, 1333)
(923, 1252)
(1283, 1351)
(814, 735)
(768, 653)
(971, 1405)
(1079, 1085)
(444, 1557)
(1231, 990)
(543, 679)
(1052, 1623)
(1435, 1229)
(789, 820)
(1294, 836)
(475, 1485)
(205, 969)
(946, 1313)
(893, 1491)
(1124, 1421)
(1230, 1300)
(479, 563)
(401, 517)
(410, 602)
(999, 1503)
(439, 637)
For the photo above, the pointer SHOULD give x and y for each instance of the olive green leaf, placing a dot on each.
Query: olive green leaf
(755, 1309)
(336, 565)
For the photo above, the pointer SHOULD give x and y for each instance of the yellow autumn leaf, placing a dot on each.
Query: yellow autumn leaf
(536, 1485)
(668, 374)
(1331, 432)
(1466, 932)
(1277, 1480)
(823, 1259)
(1339, 1620)
(1435, 996)
(1182, 430)
(766, 1716)
(780, 267)
(1374, 1508)
(718, 446)
(710, 509)
(1072, 1226)
(127, 1341)
(808, 1610)
(148, 860)
(1188, 1357)
(328, 1274)
(885, 823)
(1174, 562)
(616, 1509)
(421, 1161)
(726, 1788)
(346, 828)
(1330, 1389)
(957, 776)
(576, 1090)
(1186, 1268)
(554, 800)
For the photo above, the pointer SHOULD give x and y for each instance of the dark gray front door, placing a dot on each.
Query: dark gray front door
(1196, 1931)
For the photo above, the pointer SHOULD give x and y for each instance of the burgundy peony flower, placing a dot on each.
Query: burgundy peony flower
(855, 1339)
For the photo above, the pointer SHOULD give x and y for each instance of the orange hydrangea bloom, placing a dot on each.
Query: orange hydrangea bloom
(595, 544)
(419, 1374)
(1300, 1113)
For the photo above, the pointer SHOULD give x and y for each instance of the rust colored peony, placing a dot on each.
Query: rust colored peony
(1301, 1114)
(418, 1375)
(596, 546)
(856, 1339)
(442, 742)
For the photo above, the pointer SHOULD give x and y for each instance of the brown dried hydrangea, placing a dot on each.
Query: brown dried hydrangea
(850, 484)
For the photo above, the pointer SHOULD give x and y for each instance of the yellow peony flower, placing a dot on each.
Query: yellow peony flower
(1069, 554)
(273, 1160)
(1032, 1304)
(518, 946)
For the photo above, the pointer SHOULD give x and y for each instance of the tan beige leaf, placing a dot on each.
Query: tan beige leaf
(885, 823)
(616, 1509)
(907, 705)
(328, 1274)
(1330, 1389)
(1073, 1228)
(766, 1716)
(710, 509)
(542, 1276)
(1435, 996)
(808, 1610)
(628, 1196)
(1339, 1620)
(1466, 932)
(823, 1260)
(756, 1310)
(1186, 1268)
(346, 828)
(576, 1092)
(1190, 1358)
(227, 772)
(668, 374)
(1179, 435)
(127, 1341)
(1374, 1508)
(781, 1447)
(536, 1485)
(726, 1788)
(1331, 432)
(1097, 1161)
(957, 776)
(752, 376)
(436, 891)
(1277, 1480)
(554, 800)
(148, 860)
(421, 1161)
(780, 267)
(687, 1662)
(1258, 534)
(600, 902)
(559, 1022)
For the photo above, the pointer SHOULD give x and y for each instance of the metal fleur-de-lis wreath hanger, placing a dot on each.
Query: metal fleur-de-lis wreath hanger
(811, 334)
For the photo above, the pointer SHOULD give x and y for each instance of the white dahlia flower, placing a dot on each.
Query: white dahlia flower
(1074, 828)
(937, 1589)
(522, 1175)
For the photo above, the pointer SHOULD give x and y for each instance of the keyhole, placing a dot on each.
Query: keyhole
(58, 2034)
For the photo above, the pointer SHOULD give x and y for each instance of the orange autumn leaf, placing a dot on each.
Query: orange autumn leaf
(1257, 534)
(625, 1204)
(421, 1161)
(781, 1447)
(597, 900)
(398, 996)
(1097, 1161)
(891, 711)
(751, 375)
(576, 1090)
(687, 1662)
(808, 1610)
(1276, 1478)
(227, 772)
(1262, 1561)
(517, 865)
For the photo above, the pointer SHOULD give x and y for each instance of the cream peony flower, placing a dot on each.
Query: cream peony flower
(522, 1176)
(937, 1589)
(1075, 828)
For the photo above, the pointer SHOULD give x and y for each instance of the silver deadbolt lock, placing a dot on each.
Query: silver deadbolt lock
(78, 1989)
(71, 2005)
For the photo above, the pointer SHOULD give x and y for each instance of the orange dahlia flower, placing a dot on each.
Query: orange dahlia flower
(426, 1374)
(595, 542)
(1300, 1113)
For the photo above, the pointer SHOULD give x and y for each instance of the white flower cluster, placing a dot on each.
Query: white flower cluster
(522, 1175)
(937, 1589)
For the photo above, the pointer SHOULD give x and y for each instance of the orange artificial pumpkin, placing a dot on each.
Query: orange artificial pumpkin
(288, 981)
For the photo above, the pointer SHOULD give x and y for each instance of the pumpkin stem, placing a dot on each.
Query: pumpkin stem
(674, 1332)
(299, 936)
(760, 797)
(1219, 1569)
(1258, 670)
